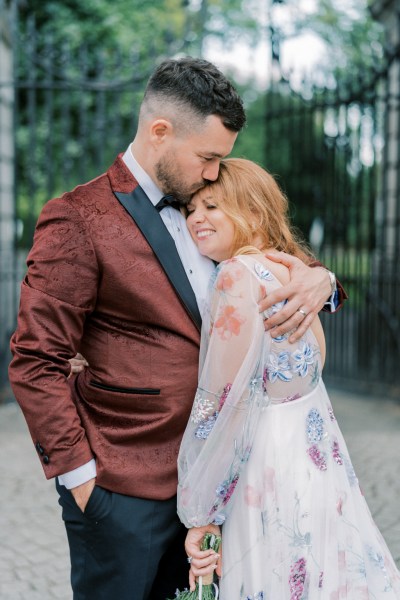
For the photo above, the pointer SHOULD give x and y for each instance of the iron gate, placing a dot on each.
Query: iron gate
(337, 156)
(65, 114)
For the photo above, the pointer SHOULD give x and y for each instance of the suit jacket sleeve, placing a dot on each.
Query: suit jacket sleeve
(58, 292)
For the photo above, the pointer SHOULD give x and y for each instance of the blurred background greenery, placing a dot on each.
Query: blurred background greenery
(320, 81)
(244, 37)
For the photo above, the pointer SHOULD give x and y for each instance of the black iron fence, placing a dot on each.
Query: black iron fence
(65, 114)
(337, 153)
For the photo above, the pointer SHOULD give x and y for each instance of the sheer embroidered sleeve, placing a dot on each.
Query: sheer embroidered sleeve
(218, 438)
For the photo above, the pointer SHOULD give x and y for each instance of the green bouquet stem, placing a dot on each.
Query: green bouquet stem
(204, 590)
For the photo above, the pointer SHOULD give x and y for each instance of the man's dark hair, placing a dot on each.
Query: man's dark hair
(198, 84)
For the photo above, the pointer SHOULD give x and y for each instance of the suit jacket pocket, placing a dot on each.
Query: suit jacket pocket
(124, 390)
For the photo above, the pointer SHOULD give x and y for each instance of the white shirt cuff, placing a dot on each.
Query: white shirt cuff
(79, 475)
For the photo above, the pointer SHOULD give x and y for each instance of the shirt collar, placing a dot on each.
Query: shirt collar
(143, 179)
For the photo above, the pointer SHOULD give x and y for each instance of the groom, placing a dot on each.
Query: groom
(114, 274)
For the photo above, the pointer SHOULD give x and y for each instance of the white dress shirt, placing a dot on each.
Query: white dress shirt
(198, 269)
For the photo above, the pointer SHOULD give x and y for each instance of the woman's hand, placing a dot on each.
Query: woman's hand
(78, 364)
(202, 562)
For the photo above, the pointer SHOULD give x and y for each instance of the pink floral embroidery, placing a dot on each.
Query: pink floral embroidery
(269, 480)
(336, 453)
(330, 412)
(229, 322)
(292, 398)
(224, 492)
(226, 489)
(231, 489)
(297, 579)
(317, 457)
(224, 395)
(252, 497)
(227, 278)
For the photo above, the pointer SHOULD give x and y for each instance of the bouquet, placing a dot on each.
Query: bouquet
(206, 589)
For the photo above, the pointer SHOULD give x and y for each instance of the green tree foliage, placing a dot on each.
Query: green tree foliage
(145, 28)
(84, 65)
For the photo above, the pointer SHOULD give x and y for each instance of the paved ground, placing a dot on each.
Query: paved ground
(34, 559)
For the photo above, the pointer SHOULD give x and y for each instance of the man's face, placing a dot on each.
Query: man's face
(190, 161)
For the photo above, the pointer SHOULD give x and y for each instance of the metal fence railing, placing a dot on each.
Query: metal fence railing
(337, 155)
(72, 110)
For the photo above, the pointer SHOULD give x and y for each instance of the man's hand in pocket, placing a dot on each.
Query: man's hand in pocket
(82, 493)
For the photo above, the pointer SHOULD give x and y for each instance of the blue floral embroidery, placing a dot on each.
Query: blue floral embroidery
(263, 273)
(315, 426)
(379, 561)
(205, 427)
(375, 557)
(316, 375)
(280, 338)
(219, 519)
(224, 492)
(278, 306)
(273, 310)
(303, 357)
(278, 367)
(257, 596)
(353, 480)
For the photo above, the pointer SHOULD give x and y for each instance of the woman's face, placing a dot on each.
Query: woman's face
(211, 229)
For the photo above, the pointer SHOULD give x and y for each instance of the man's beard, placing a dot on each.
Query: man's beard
(171, 181)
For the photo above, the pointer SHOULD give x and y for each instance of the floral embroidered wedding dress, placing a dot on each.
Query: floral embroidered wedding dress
(263, 454)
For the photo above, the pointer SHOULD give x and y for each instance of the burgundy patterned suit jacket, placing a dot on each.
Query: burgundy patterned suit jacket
(95, 285)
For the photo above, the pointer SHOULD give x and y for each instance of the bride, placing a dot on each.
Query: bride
(263, 457)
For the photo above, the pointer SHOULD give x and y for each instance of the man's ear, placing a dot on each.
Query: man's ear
(160, 131)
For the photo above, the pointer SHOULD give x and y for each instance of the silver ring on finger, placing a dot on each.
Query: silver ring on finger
(189, 559)
(303, 312)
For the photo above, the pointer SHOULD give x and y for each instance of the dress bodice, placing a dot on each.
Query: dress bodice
(242, 370)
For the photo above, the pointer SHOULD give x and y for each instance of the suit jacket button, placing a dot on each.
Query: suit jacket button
(39, 448)
(46, 460)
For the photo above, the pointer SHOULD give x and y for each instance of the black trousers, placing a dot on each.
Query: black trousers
(124, 548)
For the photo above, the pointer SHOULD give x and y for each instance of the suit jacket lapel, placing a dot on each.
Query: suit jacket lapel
(152, 227)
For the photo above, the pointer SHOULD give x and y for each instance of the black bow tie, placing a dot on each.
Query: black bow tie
(167, 200)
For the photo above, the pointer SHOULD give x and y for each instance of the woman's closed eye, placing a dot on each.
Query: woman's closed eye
(191, 209)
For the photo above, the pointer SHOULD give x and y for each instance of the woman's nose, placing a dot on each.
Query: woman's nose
(199, 216)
